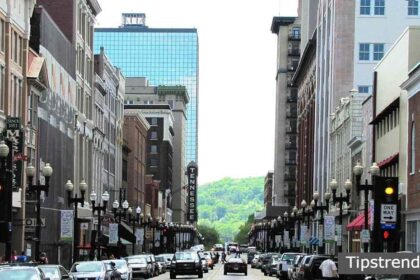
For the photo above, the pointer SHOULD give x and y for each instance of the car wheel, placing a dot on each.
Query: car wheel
(270, 274)
(265, 273)
(200, 274)
(212, 267)
(172, 276)
(246, 273)
(225, 273)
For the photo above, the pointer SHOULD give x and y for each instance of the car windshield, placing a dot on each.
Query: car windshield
(119, 264)
(288, 257)
(160, 259)
(185, 256)
(87, 267)
(136, 260)
(19, 274)
(51, 272)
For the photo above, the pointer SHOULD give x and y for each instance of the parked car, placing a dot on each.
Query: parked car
(140, 266)
(90, 269)
(266, 261)
(122, 267)
(54, 272)
(235, 265)
(256, 261)
(292, 269)
(218, 247)
(151, 258)
(186, 263)
(21, 272)
(271, 268)
(250, 256)
(161, 260)
(286, 259)
(311, 265)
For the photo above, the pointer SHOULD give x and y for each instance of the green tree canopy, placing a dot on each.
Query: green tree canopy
(210, 234)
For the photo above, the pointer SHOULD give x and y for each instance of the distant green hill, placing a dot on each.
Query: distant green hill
(227, 203)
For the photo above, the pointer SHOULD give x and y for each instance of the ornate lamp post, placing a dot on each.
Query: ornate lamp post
(358, 171)
(75, 201)
(30, 173)
(133, 220)
(321, 208)
(98, 209)
(340, 200)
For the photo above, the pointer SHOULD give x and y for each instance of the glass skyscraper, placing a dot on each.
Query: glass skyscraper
(165, 56)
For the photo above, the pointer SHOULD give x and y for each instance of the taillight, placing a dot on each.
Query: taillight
(301, 269)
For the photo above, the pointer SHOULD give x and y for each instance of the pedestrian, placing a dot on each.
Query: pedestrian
(112, 257)
(223, 257)
(22, 258)
(43, 258)
(329, 269)
(14, 256)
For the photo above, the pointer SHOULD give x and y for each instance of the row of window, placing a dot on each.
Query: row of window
(371, 51)
(388, 123)
(377, 7)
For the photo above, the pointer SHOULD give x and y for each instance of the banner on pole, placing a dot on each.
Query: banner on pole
(286, 239)
(321, 235)
(113, 233)
(66, 232)
(339, 231)
(139, 236)
(329, 229)
(302, 237)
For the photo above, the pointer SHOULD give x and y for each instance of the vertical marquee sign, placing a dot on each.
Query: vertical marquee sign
(192, 173)
(15, 135)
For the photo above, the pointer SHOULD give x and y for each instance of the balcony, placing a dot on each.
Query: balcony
(291, 96)
(288, 161)
(289, 176)
(291, 129)
(291, 112)
(291, 146)
(292, 66)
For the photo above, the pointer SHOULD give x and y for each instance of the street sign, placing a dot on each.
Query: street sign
(365, 236)
(388, 213)
(388, 226)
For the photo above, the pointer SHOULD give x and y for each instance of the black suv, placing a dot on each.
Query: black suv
(186, 263)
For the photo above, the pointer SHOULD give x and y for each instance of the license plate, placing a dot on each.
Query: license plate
(236, 268)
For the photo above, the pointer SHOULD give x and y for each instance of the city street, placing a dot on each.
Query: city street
(217, 274)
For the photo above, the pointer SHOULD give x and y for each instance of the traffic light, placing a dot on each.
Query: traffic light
(390, 191)
(386, 235)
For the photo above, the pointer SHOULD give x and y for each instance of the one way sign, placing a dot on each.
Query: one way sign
(388, 213)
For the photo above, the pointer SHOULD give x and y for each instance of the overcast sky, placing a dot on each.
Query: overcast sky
(236, 75)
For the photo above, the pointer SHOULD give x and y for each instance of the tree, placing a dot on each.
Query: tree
(211, 236)
(242, 236)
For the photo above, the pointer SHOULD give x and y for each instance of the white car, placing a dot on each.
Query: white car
(140, 266)
(284, 262)
(122, 267)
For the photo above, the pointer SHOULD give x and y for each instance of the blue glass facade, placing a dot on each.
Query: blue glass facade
(164, 56)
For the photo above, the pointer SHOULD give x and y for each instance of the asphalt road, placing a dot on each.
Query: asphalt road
(217, 274)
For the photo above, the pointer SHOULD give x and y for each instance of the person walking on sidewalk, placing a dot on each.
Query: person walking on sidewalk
(329, 269)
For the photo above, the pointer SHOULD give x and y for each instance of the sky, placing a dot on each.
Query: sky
(237, 69)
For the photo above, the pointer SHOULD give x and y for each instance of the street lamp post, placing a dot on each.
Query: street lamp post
(133, 220)
(374, 171)
(297, 216)
(340, 200)
(30, 173)
(98, 209)
(75, 201)
(6, 196)
(321, 208)
(119, 214)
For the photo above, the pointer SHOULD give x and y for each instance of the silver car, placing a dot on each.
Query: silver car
(122, 268)
(90, 270)
(140, 266)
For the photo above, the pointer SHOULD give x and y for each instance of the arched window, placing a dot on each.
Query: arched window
(413, 148)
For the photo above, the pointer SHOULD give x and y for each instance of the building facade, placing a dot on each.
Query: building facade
(287, 30)
(412, 86)
(163, 50)
(391, 119)
(139, 92)
(14, 38)
(107, 133)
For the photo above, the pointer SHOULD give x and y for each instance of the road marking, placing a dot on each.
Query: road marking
(215, 272)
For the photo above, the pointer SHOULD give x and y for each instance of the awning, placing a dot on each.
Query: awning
(388, 161)
(359, 222)
(314, 241)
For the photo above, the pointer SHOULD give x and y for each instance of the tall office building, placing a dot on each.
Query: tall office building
(166, 56)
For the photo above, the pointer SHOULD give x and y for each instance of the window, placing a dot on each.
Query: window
(296, 32)
(2, 37)
(379, 7)
(413, 148)
(363, 89)
(153, 135)
(365, 7)
(413, 7)
(154, 121)
(153, 162)
(364, 52)
(153, 149)
(412, 236)
(378, 51)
